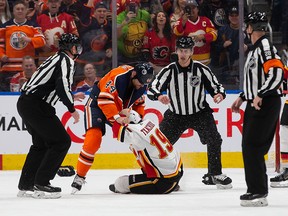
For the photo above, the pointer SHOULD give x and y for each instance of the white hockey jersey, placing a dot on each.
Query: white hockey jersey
(153, 151)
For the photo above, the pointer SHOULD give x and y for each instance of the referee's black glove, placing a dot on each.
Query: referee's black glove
(66, 171)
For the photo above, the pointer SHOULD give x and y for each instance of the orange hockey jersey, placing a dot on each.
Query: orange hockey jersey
(13, 48)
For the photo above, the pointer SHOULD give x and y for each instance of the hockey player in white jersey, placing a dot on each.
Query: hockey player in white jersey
(160, 163)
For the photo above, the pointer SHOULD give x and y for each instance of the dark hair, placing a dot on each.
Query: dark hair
(19, 2)
(167, 28)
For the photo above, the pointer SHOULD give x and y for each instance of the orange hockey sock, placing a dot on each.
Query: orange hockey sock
(91, 145)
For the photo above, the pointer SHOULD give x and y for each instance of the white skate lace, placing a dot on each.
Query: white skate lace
(78, 180)
(220, 177)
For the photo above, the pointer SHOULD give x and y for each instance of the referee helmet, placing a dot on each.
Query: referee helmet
(258, 21)
(185, 42)
(68, 40)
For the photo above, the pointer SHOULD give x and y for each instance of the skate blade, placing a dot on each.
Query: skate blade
(25, 194)
(283, 184)
(46, 195)
(74, 191)
(260, 202)
(224, 187)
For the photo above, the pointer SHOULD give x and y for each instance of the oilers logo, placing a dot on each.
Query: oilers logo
(194, 81)
(16, 42)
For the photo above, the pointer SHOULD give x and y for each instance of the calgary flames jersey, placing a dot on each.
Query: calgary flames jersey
(204, 26)
(154, 153)
(14, 48)
(54, 26)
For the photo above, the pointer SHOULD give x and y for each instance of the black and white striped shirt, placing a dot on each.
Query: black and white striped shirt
(263, 71)
(185, 87)
(52, 81)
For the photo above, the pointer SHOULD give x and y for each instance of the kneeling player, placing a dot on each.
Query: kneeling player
(160, 163)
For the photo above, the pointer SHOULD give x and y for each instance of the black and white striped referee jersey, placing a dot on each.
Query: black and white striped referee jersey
(52, 81)
(263, 71)
(185, 87)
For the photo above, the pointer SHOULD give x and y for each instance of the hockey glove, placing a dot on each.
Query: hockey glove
(66, 171)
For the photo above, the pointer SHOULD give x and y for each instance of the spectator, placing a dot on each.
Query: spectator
(123, 87)
(160, 163)
(200, 29)
(90, 78)
(216, 11)
(178, 12)
(226, 57)
(158, 43)
(5, 13)
(152, 6)
(131, 27)
(29, 67)
(18, 37)
(96, 37)
(35, 8)
(54, 24)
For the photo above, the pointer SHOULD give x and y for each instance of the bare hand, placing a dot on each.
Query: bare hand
(79, 96)
(257, 102)
(236, 105)
(123, 120)
(164, 99)
(218, 98)
(76, 116)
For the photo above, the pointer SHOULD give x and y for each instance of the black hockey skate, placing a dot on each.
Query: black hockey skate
(253, 200)
(77, 184)
(221, 181)
(46, 192)
(281, 180)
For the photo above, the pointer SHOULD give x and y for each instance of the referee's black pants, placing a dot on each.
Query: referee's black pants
(50, 142)
(258, 133)
(173, 126)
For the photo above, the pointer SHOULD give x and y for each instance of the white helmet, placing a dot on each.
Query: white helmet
(134, 117)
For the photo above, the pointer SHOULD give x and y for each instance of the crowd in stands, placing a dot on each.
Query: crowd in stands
(146, 32)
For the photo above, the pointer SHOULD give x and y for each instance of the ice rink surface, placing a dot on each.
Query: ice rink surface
(95, 199)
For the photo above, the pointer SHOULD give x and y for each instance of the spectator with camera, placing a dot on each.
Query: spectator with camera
(131, 27)
(199, 28)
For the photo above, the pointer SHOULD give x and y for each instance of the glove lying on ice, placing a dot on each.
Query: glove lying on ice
(65, 171)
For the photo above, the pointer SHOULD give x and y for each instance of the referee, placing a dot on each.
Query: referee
(263, 76)
(185, 82)
(50, 83)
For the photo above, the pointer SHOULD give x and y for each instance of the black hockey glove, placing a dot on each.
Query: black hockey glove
(66, 171)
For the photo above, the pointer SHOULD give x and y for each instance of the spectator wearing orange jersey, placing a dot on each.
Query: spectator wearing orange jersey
(18, 37)
(90, 78)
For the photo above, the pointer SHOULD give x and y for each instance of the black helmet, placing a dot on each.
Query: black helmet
(144, 73)
(258, 21)
(68, 40)
(185, 42)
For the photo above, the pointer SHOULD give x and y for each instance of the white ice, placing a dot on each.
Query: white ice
(194, 198)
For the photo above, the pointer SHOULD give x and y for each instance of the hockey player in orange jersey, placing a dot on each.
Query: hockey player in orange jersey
(123, 87)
